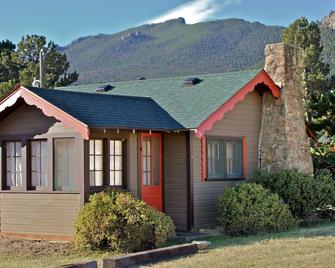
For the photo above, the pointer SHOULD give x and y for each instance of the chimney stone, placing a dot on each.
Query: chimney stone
(283, 139)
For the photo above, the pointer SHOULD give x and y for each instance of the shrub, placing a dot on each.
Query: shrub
(250, 209)
(325, 193)
(303, 193)
(119, 222)
(299, 191)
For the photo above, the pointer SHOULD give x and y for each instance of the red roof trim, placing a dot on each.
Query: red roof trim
(47, 108)
(261, 77)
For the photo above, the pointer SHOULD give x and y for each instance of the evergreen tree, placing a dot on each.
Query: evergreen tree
(55, 63)
(20, 64)
(315, 77)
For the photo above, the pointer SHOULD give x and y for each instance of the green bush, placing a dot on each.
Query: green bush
(250, 209)
(119, 222)
(303, 193)
(325, 193)
(298, 190)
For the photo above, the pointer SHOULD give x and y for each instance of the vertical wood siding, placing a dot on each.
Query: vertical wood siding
(243, 120)
(175, 178)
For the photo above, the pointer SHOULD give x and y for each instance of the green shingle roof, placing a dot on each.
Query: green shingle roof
(189, 105)
(112, 111)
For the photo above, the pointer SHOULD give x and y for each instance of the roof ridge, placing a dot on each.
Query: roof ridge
(90, 94)
(159, 78)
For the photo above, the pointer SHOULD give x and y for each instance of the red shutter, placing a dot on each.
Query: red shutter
(244, 152)
(203, 158)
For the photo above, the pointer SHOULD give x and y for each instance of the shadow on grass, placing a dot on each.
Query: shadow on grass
(326, 229)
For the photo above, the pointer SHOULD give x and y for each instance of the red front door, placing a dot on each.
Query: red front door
(151, 170)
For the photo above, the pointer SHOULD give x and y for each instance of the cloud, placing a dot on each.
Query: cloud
(195, 11)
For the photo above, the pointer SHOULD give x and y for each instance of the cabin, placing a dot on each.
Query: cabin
(175, 143)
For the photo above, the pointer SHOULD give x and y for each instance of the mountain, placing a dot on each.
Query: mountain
(171, 48)
(327, 27)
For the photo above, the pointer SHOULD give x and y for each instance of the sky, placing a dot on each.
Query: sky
(62, 21)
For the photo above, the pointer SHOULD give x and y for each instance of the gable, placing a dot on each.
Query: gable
(29, 120)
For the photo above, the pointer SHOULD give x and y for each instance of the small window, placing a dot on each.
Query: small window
(96, 162)
(39, 163)
(116, 162)
(151, 161)
(224, 158)
(13, 164)
(64, 160)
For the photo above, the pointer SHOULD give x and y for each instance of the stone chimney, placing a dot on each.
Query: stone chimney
(283, 140)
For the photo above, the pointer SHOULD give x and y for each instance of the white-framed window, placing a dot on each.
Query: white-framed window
(64, 164)
(116, 157)
(224, 158)
(13, 164)
(96, 162)
(39, 163)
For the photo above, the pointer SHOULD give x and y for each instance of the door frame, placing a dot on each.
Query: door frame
(142, 136)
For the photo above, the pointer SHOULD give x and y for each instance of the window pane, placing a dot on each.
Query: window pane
(118, 178)
(98, 162)
(39, 163)
(33, 148)
(118, 147)
(155, 159)
(98, 178)
(44, 179)
(98, 147)
(44, 164)
(214, 160)
(118, 162)
(234, 158)
(10, 149)
(91, 146)
(44, 148)
(64, 151)
(91, 162)
(18, 149)
(10, 164)
(10, 179)
(18, 179)
(115, 162)
(92, 178)
(35, 179)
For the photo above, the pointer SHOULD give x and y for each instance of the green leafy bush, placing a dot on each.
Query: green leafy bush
(250, 209)
(298, 190)
(325, 189)
(119, 222)
(324, 155)
(301, 192)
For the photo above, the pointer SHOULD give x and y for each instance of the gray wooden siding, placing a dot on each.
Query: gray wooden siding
(38, 213)
(32, 212)
(243, 120)
(175, 178)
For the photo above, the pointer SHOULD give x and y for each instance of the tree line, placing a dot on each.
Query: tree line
(19, 64)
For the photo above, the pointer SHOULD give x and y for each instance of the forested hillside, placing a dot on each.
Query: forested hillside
(171, 48)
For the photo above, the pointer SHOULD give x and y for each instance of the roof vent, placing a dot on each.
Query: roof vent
(104, 88)
(191, 81)
(140, 78)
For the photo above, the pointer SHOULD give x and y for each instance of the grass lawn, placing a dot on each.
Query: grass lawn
(304, 247)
